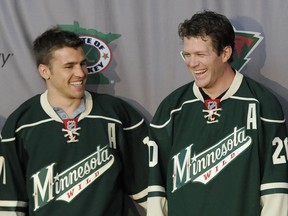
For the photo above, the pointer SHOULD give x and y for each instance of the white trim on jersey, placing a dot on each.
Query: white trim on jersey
(269, 186)
(33, 124)
(134, 126)
(273, 120)
(12, 204)
(174, 111)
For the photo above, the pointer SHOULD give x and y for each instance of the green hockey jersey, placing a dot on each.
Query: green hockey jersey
(94, 165)
(224, 157)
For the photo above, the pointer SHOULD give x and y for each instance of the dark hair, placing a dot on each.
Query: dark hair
(51, 40)
(212, 24)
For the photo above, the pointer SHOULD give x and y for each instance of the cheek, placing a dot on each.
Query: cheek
(61, 77)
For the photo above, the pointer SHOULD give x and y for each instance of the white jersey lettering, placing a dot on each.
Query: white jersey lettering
(251, 117)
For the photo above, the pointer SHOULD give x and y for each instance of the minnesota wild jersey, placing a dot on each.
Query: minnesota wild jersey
(225, 157)
(93, 165)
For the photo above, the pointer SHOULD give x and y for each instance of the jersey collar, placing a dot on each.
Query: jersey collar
(230, 92)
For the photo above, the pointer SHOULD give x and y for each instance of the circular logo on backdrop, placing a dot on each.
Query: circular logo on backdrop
(97, 52)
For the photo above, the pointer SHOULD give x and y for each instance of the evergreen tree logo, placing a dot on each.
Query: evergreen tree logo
(245, 43)
(97, 50)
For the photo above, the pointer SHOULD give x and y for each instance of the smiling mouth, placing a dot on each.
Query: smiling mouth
(79, 83)
(199, 72)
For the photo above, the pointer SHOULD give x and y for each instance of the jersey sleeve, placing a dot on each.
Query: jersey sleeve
(13, 198)
(160, 132)
(135, 154)
(274, 160)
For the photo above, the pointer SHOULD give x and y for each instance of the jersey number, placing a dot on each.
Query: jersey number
(153, 153)
(279, 156)
(2, 169)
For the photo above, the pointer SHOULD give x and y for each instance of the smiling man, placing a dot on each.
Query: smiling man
(65, 76)
(218, 145)
(68, 151)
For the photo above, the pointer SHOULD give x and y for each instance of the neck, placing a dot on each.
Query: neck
(221, 85)
(68, 105)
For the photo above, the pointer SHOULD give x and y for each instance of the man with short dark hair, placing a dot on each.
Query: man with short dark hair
(68, 151)
(218, 145)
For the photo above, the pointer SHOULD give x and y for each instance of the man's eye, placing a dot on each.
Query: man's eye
(201, 54)
(185, 55)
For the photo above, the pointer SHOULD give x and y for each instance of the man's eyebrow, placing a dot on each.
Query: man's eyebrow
(75, 62)
(70, 63)
(84, 60)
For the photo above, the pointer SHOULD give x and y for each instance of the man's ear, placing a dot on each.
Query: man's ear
(44, 71)
(227, 52)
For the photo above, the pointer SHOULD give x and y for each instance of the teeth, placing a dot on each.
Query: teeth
(76, 83)
(200, 72)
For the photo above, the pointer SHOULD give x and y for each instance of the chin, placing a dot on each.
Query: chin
(79, 96)
(200, 84)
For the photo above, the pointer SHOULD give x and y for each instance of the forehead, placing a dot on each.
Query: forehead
(65, 54)
(199, 43)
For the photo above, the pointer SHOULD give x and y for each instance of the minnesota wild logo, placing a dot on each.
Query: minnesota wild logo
(245, 43)
(97, 50)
